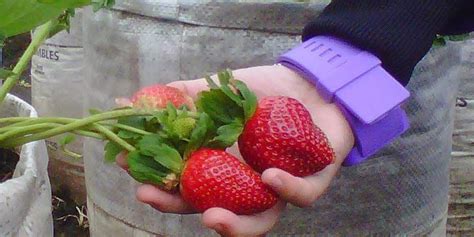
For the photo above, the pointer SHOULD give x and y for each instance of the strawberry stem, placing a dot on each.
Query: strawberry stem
(79, 124)
(39, 37)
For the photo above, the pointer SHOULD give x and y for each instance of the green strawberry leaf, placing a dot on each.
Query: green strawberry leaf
(150, 140)
(62, 4)
(168, 157)
(203, 129)
(224, 79)
(219, 106)
(172, 113)
(211, 83)
(69, 138)
(250, 99)
(227, 135)
(153, 145)
(144, 169)
(112, 149)
(124, 134)
(133, 121)
(65, 140)
(99, 4)
(94, 111)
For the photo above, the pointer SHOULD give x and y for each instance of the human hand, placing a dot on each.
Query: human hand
(302, 192)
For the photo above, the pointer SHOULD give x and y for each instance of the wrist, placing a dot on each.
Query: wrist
(368, 96)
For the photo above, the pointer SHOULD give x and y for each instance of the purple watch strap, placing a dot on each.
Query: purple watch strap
(355, 80)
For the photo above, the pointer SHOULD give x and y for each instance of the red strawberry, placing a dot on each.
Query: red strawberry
(282, 134)
(215, 178)
(158, 96)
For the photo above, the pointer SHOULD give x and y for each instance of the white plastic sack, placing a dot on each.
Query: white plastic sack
(56, 78)
(403, 190)
(25, 200)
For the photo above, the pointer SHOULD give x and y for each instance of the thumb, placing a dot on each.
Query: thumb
(190, 87)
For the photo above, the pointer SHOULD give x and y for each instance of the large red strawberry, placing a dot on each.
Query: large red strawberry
(158, 96)
(281, 134)
(215, 178)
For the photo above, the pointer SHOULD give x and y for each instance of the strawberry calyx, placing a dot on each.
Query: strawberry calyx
(174, 133)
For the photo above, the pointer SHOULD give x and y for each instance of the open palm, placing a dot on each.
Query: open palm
(273, 80)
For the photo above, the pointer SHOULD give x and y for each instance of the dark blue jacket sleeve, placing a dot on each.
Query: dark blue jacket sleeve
(399, 32)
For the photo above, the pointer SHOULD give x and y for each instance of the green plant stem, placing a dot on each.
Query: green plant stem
(33, 121)
(39, 37)
(113, 137)
(23, 130)
(128, 128)
(75, 125)
(60, 121)
(89, 134)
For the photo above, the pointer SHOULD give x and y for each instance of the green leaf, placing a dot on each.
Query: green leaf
(227, 135)
(20, 16)
(63, 22)
(112, 149)
(439, 42)
(250, 99)
(149, 140)
(99, 4)
(67, 139)
(211, 83)
(152, 145)
(63, 4)
(4, 73)
(172, 113)
(219, 106)
(94, 111)
(460, 37)
(204, 128)
(124, 134)
(134, 121)
(224, 77)
(168, 157)
(2, 40)
(144, 169)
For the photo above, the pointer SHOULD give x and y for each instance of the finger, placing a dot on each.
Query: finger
(226, 223)
(162, 200)
(301, 192)
(191, 87)
(121, 160)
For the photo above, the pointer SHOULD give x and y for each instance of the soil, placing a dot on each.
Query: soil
(8, 160)
(69, 218)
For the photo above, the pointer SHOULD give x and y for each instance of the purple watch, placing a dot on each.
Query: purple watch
(369, 97)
